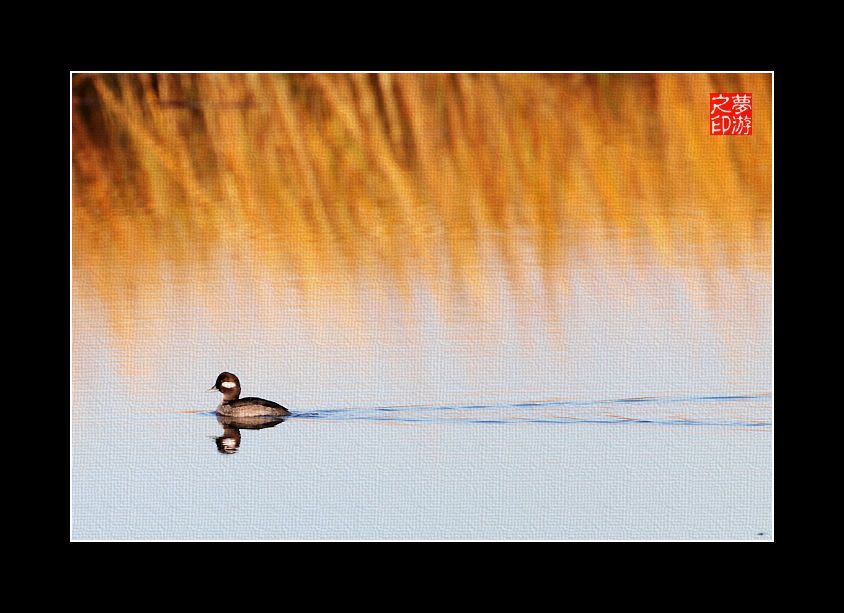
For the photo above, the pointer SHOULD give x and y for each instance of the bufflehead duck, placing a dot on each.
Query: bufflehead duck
(236, 406)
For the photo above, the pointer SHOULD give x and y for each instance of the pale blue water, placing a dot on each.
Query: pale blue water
(650, 419)
(676, 468)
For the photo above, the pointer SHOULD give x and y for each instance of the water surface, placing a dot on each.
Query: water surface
(645, 413)
(558, 471)
(500, 306)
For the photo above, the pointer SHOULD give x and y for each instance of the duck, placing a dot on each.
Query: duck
(235, 406)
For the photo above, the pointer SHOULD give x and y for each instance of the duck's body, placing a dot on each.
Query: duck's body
(235, 406)
(251, 407)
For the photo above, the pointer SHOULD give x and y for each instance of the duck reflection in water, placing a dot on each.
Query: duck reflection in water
(229, 442)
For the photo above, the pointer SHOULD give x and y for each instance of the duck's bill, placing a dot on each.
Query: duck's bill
(211, 389)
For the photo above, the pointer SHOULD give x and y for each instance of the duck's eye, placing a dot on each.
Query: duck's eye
(228, 384)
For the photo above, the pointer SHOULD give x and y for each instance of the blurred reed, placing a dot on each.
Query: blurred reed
(324, 178)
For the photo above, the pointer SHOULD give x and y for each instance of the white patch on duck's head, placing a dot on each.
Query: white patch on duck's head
(228, 384)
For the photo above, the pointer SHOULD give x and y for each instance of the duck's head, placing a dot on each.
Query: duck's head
(228, 384)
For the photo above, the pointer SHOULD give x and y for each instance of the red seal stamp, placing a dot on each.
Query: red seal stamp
(731, 114)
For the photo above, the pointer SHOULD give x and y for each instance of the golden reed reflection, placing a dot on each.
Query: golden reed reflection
(321, 180)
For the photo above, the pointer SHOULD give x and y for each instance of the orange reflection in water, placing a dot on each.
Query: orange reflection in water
(323, 188)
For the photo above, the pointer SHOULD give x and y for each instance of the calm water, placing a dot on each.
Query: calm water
(643, 411)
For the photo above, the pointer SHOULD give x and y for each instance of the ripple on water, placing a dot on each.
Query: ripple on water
(752, 411)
